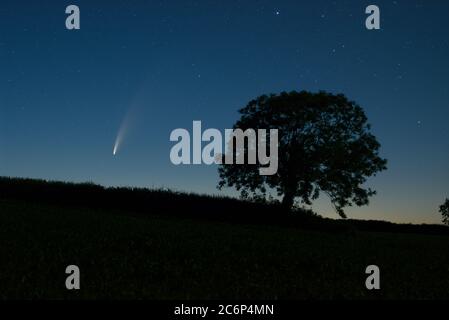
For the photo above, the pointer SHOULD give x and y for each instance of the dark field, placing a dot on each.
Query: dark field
(166, 257)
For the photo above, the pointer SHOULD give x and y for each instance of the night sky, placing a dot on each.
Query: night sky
(162, 64)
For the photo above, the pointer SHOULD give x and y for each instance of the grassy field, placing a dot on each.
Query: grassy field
(156, 257)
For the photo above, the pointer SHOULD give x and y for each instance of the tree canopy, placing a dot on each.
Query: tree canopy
(325, 146)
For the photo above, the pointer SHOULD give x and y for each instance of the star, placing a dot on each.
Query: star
(277, 12)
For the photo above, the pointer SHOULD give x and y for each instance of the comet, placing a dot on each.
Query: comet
(119, 138)
(131, 118)
(122, 132)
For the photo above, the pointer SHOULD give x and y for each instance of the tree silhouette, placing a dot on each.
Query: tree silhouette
(444, 209)
(325, 145)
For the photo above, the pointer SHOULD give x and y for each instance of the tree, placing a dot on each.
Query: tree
(444, 209)
(325, 145)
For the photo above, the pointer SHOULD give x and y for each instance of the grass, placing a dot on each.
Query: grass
(123, 256)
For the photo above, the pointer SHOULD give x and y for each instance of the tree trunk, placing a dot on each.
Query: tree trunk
(288, 200)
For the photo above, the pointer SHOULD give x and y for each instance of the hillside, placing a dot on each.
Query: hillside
(124, 254)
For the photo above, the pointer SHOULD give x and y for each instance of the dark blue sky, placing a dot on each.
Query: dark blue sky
(64, 94)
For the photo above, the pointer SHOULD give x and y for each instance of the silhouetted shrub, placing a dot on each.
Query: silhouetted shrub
(444, 209)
